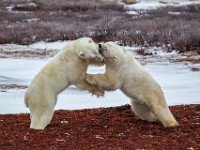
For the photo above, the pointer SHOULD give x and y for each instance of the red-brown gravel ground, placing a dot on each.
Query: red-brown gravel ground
(103, 129)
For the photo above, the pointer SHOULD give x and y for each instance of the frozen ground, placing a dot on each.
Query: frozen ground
(179, 83)
(153, 4)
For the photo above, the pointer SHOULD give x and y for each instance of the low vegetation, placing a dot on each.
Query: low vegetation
(26, 22)
(112, 128)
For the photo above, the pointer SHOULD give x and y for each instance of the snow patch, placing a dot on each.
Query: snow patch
(179, 83)
(58, 45)
(154, 4)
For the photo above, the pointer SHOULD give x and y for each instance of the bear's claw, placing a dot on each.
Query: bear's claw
(98, 93)
(89, 79)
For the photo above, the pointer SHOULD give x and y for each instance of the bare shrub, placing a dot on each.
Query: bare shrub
(175, 27)
(74, 19)
(143, 52)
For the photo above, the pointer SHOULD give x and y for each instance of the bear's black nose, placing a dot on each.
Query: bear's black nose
(100, 48)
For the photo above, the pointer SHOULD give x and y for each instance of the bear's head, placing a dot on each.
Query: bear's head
(112, 52)
(88, 50)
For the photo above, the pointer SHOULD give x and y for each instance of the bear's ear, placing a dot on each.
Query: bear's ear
(90, 41)
(116, 42)
(109, 45)
(81, 54)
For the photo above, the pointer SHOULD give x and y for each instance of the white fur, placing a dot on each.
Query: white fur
(125, 73)
(67, 67)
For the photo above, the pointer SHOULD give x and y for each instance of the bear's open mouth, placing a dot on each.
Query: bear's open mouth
(101, 48)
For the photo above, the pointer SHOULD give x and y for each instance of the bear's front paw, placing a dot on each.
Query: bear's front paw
(89, 79)
(98, 93)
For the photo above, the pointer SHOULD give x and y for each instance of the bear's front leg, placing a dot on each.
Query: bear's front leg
(92, 80)
(86, 86)
(100, 81)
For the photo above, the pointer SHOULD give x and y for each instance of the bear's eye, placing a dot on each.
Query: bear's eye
(82, 54)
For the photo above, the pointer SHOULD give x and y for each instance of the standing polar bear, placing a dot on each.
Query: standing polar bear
(67, 67)
(125, 73)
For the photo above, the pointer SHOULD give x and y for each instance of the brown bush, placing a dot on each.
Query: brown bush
(175, 27)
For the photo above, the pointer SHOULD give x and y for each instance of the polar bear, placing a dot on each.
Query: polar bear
(125, 73)
(67, 67)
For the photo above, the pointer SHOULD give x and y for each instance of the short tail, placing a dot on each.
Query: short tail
(26, 99)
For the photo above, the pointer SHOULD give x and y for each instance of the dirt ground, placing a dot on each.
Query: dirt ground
(103, 128)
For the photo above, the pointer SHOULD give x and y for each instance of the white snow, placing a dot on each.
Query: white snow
(174, 13)
(145, 5)
(153, 4)
(32, 20)
(16, 71)
(49, 45)
(19, 71)
(132, 12)
(180, 85)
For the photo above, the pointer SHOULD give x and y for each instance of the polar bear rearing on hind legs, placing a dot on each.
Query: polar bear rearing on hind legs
(125, 73)
(67, 67)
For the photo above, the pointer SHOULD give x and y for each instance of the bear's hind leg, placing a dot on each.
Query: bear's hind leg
(42, 112)
(41, 118)
(164, 115)
(156, 102)
(142, 111)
